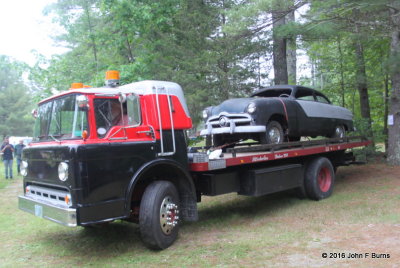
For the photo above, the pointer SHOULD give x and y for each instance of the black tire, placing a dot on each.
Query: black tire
(151, 215)
(273, 133)
(319, 178)
(339, 132)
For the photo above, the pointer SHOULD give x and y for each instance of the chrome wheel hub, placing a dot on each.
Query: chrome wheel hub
(274, 135)
(339, 132)
(169, 215)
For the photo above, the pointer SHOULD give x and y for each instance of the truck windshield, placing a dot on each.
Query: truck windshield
(60, 119)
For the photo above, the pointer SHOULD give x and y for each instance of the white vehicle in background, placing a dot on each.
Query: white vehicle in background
(14, 140)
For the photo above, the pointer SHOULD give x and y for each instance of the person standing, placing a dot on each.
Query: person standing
(18, 154)
(7, 149)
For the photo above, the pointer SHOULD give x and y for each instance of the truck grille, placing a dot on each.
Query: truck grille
(51, 196)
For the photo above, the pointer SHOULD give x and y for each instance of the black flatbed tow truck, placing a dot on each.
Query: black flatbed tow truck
(140, 169)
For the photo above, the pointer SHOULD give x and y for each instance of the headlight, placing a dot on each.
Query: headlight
(251, 108)
(205, 114)
(24, 168)
(63, 171)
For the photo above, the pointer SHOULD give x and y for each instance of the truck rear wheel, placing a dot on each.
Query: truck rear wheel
(159, 215)
(319, 178)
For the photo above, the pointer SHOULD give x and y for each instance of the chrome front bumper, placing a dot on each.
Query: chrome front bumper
(232, 130)
(61, 215)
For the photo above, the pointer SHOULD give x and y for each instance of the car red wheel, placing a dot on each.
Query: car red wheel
(324, 179)
(319, 178)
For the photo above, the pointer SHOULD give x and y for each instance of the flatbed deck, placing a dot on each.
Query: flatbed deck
(248, 154)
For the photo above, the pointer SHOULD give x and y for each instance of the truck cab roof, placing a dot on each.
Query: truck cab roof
(146, 87)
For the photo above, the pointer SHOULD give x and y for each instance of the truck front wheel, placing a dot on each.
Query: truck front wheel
(319, 178)
(159, 215)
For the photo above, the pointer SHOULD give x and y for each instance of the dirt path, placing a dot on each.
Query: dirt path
(370, 244)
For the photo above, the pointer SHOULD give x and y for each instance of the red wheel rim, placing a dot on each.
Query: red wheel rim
(324, 179)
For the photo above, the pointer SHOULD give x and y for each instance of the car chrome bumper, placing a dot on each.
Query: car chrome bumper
(64, 216)
(232, 130)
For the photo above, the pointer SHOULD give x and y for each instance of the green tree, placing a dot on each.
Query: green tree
(15, 106)
(394, 128)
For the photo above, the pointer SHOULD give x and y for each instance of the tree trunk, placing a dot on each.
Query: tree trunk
(386, 105)
(291, 53)
(393, 156)
(91, 34)
(129, 49)
(362, 86)
(279, 49)
(341, 72)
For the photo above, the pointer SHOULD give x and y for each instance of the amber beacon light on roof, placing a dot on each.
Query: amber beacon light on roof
(76, 86)
(112, 78)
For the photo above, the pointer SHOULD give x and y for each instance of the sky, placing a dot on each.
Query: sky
(24, 28)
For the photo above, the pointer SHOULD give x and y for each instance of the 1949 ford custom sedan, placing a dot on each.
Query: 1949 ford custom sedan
(276, 114)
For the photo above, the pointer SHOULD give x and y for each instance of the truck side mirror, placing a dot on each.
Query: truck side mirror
(82, 102)
(122, 97)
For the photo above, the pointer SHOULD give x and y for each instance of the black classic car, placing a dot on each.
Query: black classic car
(276, 114)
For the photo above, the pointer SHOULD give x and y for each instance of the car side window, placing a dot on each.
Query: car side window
(309, 98)
(322, 99)
(305, 94)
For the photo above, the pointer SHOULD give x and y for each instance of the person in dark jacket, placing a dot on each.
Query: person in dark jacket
(7, 149)
(18, 154)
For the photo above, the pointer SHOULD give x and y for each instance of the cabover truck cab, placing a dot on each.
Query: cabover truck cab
(96, 151)
(120, 152)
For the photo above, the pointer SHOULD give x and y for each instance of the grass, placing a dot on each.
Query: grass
(3, 181)
(233, 231)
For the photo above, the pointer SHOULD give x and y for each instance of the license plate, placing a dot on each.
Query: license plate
(38, 211)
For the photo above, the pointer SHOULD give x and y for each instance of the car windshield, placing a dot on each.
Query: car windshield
(60, 119)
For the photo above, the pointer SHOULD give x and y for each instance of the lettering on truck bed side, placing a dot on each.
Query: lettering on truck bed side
(279, 156)
(259, 158)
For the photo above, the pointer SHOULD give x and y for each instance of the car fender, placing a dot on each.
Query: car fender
(268, 109)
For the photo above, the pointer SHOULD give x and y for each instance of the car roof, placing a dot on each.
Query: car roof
(293, 88)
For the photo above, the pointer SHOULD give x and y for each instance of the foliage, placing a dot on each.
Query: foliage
(15, 118)
(219, 49)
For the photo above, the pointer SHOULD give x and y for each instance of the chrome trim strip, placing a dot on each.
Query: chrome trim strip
(233, 129)
(60, 215)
